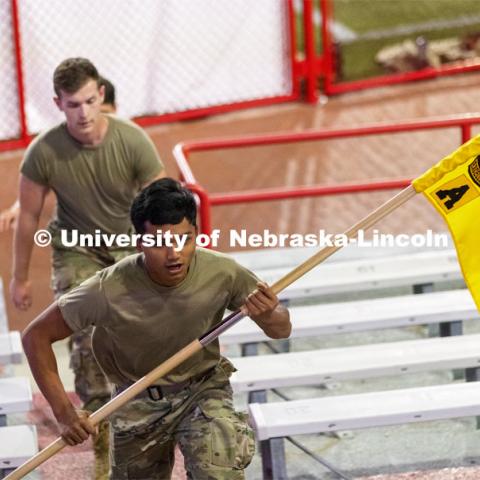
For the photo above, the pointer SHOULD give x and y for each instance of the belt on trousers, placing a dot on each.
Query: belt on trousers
(158, 392)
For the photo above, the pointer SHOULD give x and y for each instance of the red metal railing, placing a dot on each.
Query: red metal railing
(182, 152)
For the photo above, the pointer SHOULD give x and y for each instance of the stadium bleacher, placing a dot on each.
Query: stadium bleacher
(420, 270)
(17, 442)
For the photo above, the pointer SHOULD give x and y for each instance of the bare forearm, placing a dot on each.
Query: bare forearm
(23, 245)
(47, 328)
(44, 369)
(276, 324)
(41, 358)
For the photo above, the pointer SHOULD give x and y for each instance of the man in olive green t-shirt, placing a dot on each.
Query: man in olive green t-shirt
(8, 217)
(144, 309)
(95, 164)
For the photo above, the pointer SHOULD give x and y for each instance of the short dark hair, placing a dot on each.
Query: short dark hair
(109, 91)
(163, 202)
(73, 73)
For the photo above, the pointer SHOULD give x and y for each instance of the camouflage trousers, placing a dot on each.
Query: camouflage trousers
(216, 441)
(69, 269)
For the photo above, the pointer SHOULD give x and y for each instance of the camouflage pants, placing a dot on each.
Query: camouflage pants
(69, 269)
(216, 441)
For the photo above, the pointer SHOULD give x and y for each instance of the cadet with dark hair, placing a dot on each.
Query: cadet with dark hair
(145, 308)
(109, 104)
(95, 164)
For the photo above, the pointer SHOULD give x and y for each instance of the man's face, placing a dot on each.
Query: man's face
(168, 266)
(82, 108)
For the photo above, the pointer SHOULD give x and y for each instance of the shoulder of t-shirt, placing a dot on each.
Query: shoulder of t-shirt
(44, 148)
(132, 136)
(206, 256)
(127, 127)
(124, 269)
(48, 139)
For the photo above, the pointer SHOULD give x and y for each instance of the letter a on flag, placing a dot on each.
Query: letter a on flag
(453, 187)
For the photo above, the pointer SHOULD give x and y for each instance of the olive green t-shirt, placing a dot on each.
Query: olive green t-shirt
(139, 324)
(95, 185)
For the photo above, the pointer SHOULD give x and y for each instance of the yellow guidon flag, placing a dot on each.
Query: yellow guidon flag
(453, 187)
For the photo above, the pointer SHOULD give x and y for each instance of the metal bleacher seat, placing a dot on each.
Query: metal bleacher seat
(17, 442)
(363, 315)
(277, 420)
(314, 367)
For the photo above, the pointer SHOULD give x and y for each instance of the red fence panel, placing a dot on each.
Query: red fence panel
(10, 120)
(168, 60)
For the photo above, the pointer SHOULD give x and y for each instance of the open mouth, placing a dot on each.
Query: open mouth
(175, 268)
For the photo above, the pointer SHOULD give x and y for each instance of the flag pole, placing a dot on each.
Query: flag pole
(197, 344)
